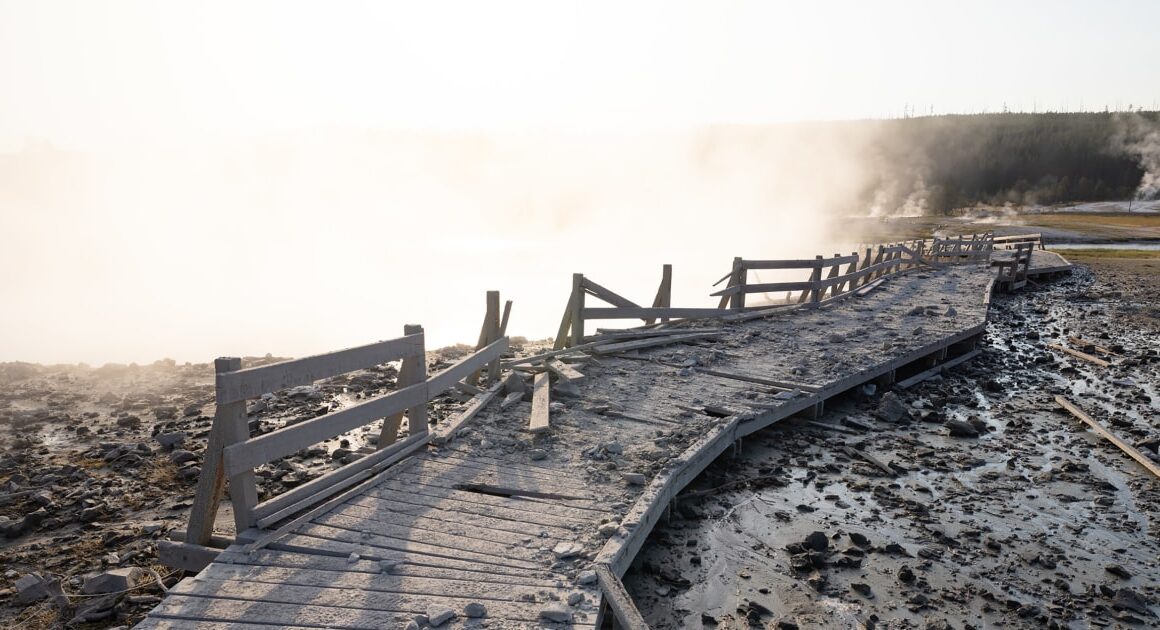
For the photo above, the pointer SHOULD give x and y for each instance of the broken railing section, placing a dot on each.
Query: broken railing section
(232, 453)
(571, 331)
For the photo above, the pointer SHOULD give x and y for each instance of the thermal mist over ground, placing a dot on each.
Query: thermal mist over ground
(301, 244)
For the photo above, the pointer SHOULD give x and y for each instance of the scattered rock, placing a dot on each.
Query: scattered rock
(474, 610)
(959, 428)
(891, 409)
(556, 613)
(439, 615)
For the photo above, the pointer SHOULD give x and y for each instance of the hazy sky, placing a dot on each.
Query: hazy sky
(86, 72)
(218, 191)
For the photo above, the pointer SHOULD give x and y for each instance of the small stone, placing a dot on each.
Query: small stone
(536, 454)
(1118, 571)
(575, 598)
(662, 591)
(608, 529)
(388, 566)
(891, 408)
(192, 410)
(861, 588)
(556, 613)
(567, 550)
(959, 428)
(905, 574)
(165, 413)
(475, 610)
(353, 557)
(950, 312)
(859, 539)
(587, 577)
(634, 479)
(180, 456)
(439, 615)
(114, 581)
(816, 541)
(170, 441)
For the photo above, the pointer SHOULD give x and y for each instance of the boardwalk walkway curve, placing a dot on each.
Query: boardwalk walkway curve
(525, 509)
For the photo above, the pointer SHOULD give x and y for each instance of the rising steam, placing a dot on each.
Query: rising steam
(1139, 137)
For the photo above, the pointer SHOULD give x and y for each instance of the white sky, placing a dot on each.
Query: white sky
(86, 73)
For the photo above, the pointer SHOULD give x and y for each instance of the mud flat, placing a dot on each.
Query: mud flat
(1023, 518)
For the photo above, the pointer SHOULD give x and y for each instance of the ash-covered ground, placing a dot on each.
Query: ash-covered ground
(98, 464)
(1033, 522)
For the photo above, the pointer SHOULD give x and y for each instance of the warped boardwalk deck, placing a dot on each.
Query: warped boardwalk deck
(513, 521)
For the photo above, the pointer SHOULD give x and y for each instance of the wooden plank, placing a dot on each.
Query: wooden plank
(938, 369)
(563, 335)
(211, 483)
(412, 372)
(645, 313)
(488, 333)
(271, 558)
(499, 556)
(240, 611)
(370, 520)
(664, 297)
(354, 530)
(868, 287)
(767, 287)
(618, 599)
(737, 300)
(607, 295)
(782, 385)
(1081, 355)
(487, 488)
(564, 371)
(446, 379)
(650, 343)
(1108, 435)
(186, 556)
(156, 623)
(287, 440)
(853, 452)
(320, 488)
(386, 509)
(253, 382)
(529, 513)
(803, 263)
(541, 398)
(445, 430)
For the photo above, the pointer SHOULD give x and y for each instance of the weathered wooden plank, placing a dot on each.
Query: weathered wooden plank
(450, 531)
(607, 295)
(270, 558)
(1128, 449)
(320, 488)
(779, 384)
(445, 379)
(211, 483)
(253, 382)
(1080, 355)
(445, 430)
(156, 623)
(500, 556)
(564, 371)
(804, 263)
(386, 509)
(458, 471)
(645, 313)
(767, 287)
(419, 499)
(369, 531)
(541, 398)
(938, 369)
(650, 343)
(187, 556)
(627, 616)
(287, 440)
(545, 501)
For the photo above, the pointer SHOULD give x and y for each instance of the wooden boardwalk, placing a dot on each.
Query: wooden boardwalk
(533, 529)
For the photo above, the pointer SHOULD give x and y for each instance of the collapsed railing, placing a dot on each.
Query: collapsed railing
(233, 453)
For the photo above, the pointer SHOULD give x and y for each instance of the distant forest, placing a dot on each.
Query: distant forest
(960, 161)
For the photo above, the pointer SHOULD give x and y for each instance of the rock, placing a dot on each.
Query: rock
(950, 312)
(992, 386)
(918, 310)
(836, 338)
(575, 598)
(114, 581)
(634, 479)
(566, 389)
(959, 428)
(474, 610)
(587, 577)
(169, 441)
(192, 410)
(608, 530)
(816, 541)
(387, 566)
(1127, 599)
(905, 574)
(537, 454)
(556, 613)
(861, 588)
(412, 625)
(1118, 571)
(439, 615)
(180, 456)
(614, 447)
(567, 550)
(891, 409)
(859, 539)
(165, 413)
(33, 588)
(95, 609)
(308, 392)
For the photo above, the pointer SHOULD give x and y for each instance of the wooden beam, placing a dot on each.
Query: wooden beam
(938, 369)
(1081, 355)
(1111, 437)
(804, 263)
(445, 430)
(782, 385)
(445, 379)
(617, 598)
(413, 371)
(742, 275)
(541, 401)
(607, 295)
(564, 371)
(644, 313)
(664, 296)
(649, 343)
(577, 309)
(562, 335)
(253, 382)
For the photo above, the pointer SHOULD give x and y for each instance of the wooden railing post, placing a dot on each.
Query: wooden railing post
(577, 309)
(562, 336)
(211, 484)
(412, 371)
(664, 298)
(741, 276)
(235, 428)
(816, 278)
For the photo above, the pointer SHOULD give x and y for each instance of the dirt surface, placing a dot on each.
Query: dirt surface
(1035, 522)
(98, 464)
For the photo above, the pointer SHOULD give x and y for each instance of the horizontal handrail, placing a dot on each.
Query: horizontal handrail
(253, 382)
(809, 263)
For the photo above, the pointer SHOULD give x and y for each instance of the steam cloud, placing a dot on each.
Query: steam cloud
(1140, 137)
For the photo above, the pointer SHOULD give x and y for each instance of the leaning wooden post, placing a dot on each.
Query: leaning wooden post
(489, 331)
(664, 293)
(577, 309)
(834, 269)
(211, 484)
(740, 273)
(412, 372)
(816, 278)
(562, 335)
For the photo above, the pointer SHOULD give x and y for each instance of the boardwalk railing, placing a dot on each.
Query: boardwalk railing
(975, 248)
(233, 453)
(572, 324)
(1009, 242)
